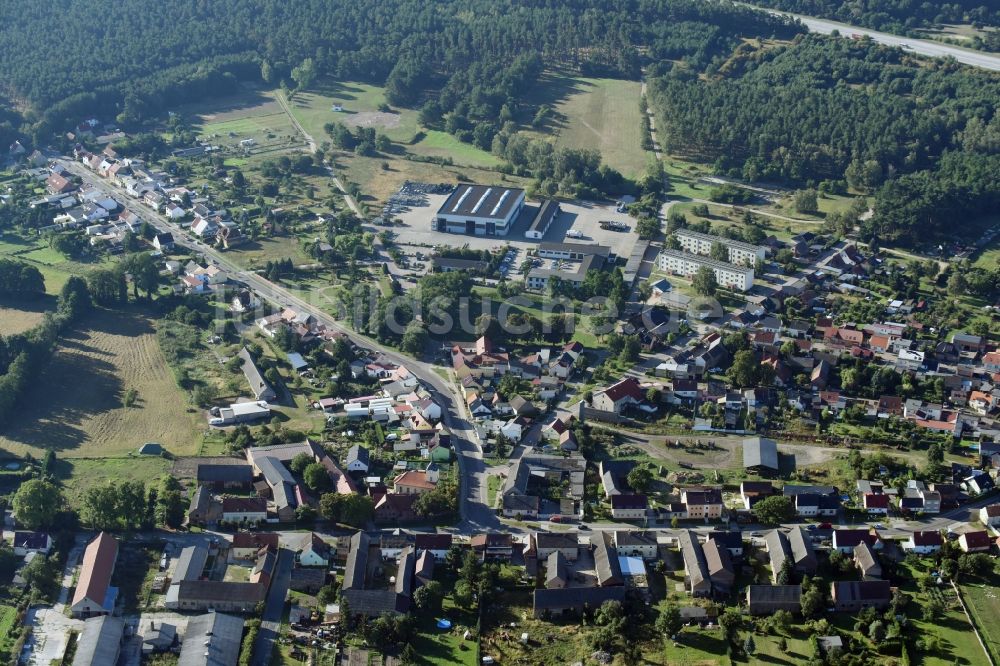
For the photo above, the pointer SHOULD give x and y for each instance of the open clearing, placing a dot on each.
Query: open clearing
(254, 116)
(75, 405)
(359, 103)
(597, 114)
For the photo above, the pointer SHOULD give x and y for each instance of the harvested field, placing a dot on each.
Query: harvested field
(379, 119)
(15, 320)
(75, 406)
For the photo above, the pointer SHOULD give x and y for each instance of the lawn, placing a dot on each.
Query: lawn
(550, 642)
(8, 614)
(595, 114)
(257, 253)
(983, 601)
(360, 103)
(81, 474)
(435, 143)
(75, 405)
(442, 647)
(989, 257)
(252, 114)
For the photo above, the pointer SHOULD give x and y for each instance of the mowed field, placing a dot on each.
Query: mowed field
(15, 320)
(596, 114)
(75, 405)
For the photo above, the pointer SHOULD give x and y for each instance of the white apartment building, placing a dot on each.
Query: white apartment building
(739, 278)
(740, 253)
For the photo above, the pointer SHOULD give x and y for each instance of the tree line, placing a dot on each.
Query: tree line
(925, 138)
(477, 53)
(23, 355)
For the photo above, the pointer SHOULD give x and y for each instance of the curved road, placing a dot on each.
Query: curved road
(924, 47)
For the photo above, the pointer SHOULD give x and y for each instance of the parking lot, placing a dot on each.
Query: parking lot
(581, 217)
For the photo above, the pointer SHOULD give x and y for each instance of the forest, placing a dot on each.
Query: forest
(132, 59)
(902, 17)
(925, 138)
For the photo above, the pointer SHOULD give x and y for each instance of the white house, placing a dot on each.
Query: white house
(312, 551)
(989, 515)
(617, 396)
(173, 211)
(923, 542)
(357, 459)
(31, 542)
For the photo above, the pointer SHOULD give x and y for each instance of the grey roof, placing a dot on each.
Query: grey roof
(694, 558)
(791, 490)
(865, 559)
(211, 592)
(190, 563)
(578, 248)
(778, 549)
(471, 265)
(236, 472)
(609, 571)
(405, 570)
(785, 595)
(298, 363)
(358, 453)
(556, 539)
(484, 202)
(212, 639)
(100, 641)
(280, 479)
(548, 210)
(576, 597)
(258, 384)
(373, 603)
(274, 471)
(555, 568)
(720, 566)
(760, 452)
(802, 549)
(357, 562)
(635, 538)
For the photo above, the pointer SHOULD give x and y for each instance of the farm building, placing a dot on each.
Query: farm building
(480, 210)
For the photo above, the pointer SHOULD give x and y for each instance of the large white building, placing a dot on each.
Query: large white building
(740, 253)
(480, 210)
(739, 278)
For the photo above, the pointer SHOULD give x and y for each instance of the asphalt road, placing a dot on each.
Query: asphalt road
(924, 47)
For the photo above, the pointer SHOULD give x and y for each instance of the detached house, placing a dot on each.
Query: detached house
(923, 542)
(618, 396)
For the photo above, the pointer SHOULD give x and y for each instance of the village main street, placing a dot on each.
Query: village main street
(474, 511)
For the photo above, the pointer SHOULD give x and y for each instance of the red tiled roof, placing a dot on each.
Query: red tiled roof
(628, 387)
(96, 569)
(876, 501)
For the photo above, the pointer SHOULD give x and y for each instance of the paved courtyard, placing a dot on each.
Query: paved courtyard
(581, 216)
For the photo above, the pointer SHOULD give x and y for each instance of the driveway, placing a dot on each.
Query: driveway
(50, 626)
(270, 624)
